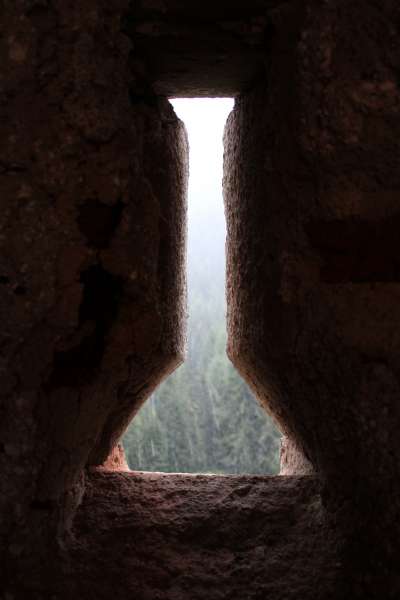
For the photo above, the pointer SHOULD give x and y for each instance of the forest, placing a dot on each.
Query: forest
(204, 418)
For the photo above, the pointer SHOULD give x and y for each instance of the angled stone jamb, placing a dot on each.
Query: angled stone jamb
(92, 284)
(155, 286)
(292, 459)
(312, 191)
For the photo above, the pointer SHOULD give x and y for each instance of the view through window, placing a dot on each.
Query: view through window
(203, 418)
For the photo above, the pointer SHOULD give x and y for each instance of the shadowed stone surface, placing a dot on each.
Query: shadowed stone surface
(92, 250)
(192, 49)
(92, 189)
(312, 189)
(175, 537)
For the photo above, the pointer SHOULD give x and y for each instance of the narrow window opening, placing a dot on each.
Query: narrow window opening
(204, 418)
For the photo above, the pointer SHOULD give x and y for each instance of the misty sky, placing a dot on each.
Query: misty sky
(205, 119)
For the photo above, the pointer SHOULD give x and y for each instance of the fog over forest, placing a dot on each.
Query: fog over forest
(204, 418)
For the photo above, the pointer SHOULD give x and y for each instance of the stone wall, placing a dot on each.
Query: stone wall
(92, 187)
(312, 192)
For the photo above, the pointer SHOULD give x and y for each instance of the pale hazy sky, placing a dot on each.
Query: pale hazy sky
(205, 119)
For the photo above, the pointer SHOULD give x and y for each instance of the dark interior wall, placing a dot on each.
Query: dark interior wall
(208, 48)
(312, 195)
(92, 184)
(92, 284)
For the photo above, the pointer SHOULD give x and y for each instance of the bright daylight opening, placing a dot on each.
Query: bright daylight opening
(204, 418)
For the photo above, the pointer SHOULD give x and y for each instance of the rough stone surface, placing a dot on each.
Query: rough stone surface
(312, 192)
(92, 234)
(201, 49)
(92, 185)
(292, 459)
(116, 460)
(174, 537)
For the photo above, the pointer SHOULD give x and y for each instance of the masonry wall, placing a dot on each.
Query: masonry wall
(92, 186)
(312, 196)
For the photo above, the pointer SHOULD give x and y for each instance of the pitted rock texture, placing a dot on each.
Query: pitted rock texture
(92, 184)
(192, 49)
(92, 235)
(152, 536)
(116, 460)
(312, 190)
(292, 459)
